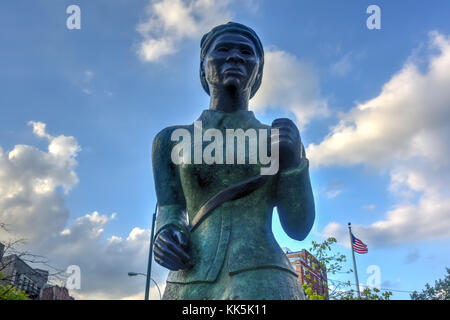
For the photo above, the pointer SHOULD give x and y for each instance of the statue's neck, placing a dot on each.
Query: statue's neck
(228, 100)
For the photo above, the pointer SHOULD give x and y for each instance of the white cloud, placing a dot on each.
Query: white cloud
(39, 129)
(105, 264)
(428, 220)
(34, 209)
(29, 179)
(153, 49)
(171, 21)
(404, 130)
(289, 84)
(403, 121)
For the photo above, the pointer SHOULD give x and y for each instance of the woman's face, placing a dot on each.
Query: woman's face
(231, 61)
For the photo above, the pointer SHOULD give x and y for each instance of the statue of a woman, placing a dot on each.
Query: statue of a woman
(232, 254)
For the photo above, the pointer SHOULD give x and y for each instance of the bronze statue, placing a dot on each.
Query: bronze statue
(214, 226)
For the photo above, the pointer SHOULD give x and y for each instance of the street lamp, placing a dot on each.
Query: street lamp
(149, 265)
(133, 274)
(150, 254)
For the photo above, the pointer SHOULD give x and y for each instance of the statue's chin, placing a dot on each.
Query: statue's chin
(233, 85)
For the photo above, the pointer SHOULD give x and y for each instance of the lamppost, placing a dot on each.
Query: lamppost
(149, 265)
(133, 274)
(150, 254)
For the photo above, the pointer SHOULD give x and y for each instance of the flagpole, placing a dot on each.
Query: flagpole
(354, 261)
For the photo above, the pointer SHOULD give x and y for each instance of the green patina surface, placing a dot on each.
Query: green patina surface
(234, 252)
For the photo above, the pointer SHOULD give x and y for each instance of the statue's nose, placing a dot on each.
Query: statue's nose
(235, 57)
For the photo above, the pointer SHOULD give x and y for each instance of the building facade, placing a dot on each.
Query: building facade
(19, 274)
(55, 293)
(309, 271)
(2, 250)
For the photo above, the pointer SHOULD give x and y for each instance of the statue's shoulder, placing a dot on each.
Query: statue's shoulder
(261, 125)
(265, 126)
(164, 136)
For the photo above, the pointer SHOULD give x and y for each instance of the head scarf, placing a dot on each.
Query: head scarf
(232, 27)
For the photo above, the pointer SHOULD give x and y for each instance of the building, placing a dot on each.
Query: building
(309, 271)
(55, 293)
(33, 281)
(19, 274)
(22, 276)
(2, 251)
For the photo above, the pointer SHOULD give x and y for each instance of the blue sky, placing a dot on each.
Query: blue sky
(371, 105)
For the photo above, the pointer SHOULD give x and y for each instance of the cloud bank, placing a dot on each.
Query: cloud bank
(291, 85)
(404, 130)
(33, 187)
(169, 22)
(288, 83)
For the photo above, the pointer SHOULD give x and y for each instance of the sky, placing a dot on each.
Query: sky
(79, 109)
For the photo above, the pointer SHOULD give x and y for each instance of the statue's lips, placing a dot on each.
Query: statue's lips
(234, 71)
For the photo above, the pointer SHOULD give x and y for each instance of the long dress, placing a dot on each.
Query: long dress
(234, 252)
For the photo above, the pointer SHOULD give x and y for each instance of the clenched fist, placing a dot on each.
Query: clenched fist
(290, 145)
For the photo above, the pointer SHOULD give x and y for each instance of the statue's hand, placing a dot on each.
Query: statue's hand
(171, 249)
(290, 144)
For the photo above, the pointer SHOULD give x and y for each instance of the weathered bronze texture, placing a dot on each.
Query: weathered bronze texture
(214, 227)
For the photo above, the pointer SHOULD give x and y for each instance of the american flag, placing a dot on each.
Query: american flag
(358, 246)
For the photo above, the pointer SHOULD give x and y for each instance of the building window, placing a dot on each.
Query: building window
(20, 282)
(14, 277)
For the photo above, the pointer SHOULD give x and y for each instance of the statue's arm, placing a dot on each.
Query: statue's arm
(295, 201)
(171, 201)
(171, 242)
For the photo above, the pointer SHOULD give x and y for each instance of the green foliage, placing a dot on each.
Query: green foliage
(9, 292)
(311, 295)
(440, 291)
(366, 294)
(334, 263)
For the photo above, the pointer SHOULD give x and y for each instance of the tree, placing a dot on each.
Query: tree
(10, 292)
(310, 293)
(333, 263)
(7, 289)
(366, 294)
(440, 291)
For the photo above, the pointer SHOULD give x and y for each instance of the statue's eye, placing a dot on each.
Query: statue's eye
(246, 51)
(222, 49)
